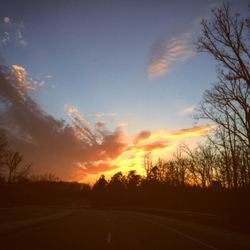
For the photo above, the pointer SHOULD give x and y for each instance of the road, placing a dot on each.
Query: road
(107, 229)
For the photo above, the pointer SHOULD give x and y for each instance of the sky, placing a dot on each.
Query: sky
(94, 85)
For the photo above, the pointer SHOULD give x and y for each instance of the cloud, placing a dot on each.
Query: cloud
(70, 109)
(100, 115)
(150, 146)
(4, 38)
(75, 116)
(49, 143)
(100, 124)
(145, 134)
(155, 145)
(193, 131)
(24, 81)
(11, 32)
(187, 110)
(75, 150)
(163, 140)
(165, 53)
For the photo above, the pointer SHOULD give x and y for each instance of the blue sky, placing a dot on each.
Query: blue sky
(134, 62)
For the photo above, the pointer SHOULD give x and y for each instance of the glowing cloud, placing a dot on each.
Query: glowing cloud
(75, 151)
(141, 136)
(164, 54)
(70, 109)
(194, 131)
(50, 144)
(24, 81)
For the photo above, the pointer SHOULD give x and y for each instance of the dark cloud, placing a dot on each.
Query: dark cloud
(69, 151)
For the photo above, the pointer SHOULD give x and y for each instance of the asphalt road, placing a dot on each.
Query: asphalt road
(100, 229)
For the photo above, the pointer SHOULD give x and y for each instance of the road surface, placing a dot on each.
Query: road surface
(107, 229)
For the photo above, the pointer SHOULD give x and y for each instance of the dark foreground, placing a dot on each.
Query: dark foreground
(109, 229)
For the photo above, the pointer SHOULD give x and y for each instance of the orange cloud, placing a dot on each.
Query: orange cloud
(77, 150)
(153, 146)
(100, 124)
(141, 136)
(49, 143)
(164, 54)
(194, 131)
(70, 108)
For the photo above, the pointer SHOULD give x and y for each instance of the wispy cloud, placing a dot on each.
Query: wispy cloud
(193, 131)
(100, 124)
(145, 134)
(165, 53)
(100, 115)
(187, 110)
(4, 38)
(11, 32)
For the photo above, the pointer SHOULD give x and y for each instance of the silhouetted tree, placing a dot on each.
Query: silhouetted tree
(100, 184)
(12, 161)
(227, 103)
(226, 38)
(133, 179)
(148, 163)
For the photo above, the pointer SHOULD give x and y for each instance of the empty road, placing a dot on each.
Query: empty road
(107, 229)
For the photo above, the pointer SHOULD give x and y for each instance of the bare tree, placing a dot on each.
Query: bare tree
(226, 38)
(13, 165)
(148, 163)
(227, 103)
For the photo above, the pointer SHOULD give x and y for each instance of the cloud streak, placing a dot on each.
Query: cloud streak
(165, 53)
(187, 110)
(101, 115)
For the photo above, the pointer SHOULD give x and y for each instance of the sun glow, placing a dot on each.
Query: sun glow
(160, 143)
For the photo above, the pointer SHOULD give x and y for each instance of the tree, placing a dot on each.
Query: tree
(100, 184)
(227, 103)
(133, 179)
(226, 38)
(16, 171)
(148, 163)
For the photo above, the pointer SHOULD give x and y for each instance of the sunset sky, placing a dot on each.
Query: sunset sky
(97, 84)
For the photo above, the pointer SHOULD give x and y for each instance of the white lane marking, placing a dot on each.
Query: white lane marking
(108, 240)
(183, 234)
